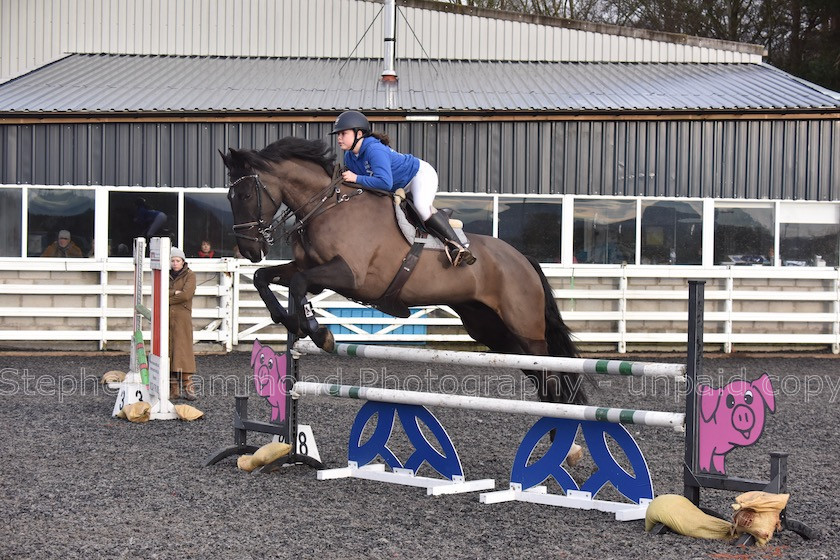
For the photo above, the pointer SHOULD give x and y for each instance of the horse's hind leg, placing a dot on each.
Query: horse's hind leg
(485, 326)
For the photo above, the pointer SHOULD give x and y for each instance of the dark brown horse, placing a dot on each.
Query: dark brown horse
(348, 240)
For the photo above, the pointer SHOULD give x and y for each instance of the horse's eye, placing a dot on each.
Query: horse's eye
(234, 195)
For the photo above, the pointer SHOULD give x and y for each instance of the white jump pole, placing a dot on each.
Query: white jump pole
(673, 420)
(162, 408)
(486, 359)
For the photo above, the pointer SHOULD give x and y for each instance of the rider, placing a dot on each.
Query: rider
(372, 163)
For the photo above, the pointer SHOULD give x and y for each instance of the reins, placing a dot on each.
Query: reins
(333, 188)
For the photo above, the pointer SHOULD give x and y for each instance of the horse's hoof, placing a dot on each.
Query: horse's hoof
(575, 455)
(324, 339)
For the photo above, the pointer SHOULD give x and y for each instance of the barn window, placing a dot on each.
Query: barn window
(56, 210)
(672, 232)
(475, 211)
(605, 231)
(533, 226)
(207, 216)
(808, 234)
(744, 233)
(126, 218)
(11, 212)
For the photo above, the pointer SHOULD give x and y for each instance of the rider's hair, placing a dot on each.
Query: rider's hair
(382, 137)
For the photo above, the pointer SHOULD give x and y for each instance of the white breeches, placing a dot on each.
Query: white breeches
(423, 188)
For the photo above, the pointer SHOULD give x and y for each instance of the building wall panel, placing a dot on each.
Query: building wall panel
(719, 159)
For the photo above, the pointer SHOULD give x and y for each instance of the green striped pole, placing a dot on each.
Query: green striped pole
(674, 420)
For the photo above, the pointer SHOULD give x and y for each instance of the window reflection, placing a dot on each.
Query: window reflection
(476, 212)
(281, 250)
(60, 211)
(743, 234)
(672, 232)
(11, 201)
(137, 214)
(605, 231)
(207, 218)
(808, 234)
(808, 244)
(532, 226)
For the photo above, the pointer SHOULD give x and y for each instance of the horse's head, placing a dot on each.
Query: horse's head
(252, 204)
(290, 171)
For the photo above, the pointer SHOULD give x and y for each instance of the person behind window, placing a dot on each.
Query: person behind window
(181, 354)
(372, 163)
(206, 251)
(149, 220)
(63, 248)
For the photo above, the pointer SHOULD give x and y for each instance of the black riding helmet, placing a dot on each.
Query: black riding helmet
(351, 120)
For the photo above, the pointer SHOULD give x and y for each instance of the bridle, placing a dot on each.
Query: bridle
(266, 230)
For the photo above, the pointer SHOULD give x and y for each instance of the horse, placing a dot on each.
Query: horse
(346, 239)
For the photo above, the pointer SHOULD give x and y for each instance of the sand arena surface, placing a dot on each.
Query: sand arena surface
(77, 483)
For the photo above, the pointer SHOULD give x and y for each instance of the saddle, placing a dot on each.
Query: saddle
(412, 228)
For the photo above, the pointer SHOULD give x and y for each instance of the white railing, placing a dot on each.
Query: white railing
(620, 308)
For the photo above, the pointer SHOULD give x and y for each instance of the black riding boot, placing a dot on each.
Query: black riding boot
(438, 224)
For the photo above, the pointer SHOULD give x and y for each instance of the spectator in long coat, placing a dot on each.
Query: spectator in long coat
(181, 354)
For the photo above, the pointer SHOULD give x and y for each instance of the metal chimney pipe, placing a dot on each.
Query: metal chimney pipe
(389, 74)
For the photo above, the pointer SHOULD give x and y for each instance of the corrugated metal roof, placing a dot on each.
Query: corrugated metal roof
(133, 83)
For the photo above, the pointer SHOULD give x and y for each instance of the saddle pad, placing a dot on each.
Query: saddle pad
(430, 242)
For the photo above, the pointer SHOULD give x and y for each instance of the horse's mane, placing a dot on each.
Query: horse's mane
(288, 148)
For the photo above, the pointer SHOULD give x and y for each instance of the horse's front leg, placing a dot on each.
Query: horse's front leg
(336, 275)
(282, 275)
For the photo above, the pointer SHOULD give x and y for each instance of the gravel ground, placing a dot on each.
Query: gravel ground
(78, 483)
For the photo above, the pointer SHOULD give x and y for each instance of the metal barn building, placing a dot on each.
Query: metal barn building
(625, 160)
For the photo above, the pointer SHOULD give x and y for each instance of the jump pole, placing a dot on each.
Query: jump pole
(488, 359)
(673, 420)
(162, 408)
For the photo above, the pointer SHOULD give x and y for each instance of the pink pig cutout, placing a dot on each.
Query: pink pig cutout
(269, 379)
(731, 417)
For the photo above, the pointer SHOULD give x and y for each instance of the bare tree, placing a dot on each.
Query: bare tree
(801, 36)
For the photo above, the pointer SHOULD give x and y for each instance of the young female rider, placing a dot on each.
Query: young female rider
(372, 163)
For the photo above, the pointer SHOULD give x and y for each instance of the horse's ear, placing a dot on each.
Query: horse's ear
(225, 158)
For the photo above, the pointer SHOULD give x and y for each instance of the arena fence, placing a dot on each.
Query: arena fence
(85, 304)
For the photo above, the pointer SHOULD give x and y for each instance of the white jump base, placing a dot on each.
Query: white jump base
(406, 477)
(574, 499)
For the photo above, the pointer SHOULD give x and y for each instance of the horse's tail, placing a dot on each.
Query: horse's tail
(558, 336)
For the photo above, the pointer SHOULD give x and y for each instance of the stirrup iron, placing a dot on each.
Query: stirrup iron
(462, 254)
